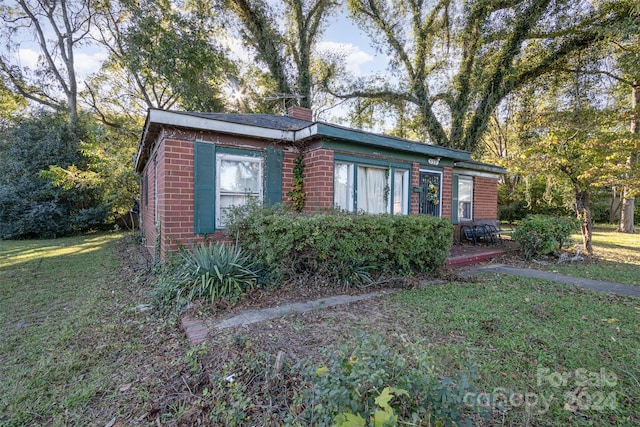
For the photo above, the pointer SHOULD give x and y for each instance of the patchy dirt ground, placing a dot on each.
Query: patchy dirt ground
(154, 380)
(172, 381)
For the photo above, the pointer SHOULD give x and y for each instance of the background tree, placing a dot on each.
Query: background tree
(161, 55)
(286, 50)
(580, 138)
(454, 62)
(59, 28)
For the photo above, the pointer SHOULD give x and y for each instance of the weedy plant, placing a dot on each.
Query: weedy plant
(388, 385)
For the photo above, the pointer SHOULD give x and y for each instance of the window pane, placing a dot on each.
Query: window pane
(241, 176)
(238, 179)
(371, 188)
(343, 187)
(227, 202)
(465, 198)
(465, 190)
(400, 191)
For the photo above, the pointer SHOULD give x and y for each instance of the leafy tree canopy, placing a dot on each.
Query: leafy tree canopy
(453, 62)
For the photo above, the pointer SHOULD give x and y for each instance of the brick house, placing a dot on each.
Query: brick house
(196, 165)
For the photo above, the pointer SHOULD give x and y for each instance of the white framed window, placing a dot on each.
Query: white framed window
(465, 198)
(238, 179)
(343, 193)
(370, 189)
(400, 192)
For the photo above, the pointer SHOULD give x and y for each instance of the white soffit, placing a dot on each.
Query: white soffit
(184, 120)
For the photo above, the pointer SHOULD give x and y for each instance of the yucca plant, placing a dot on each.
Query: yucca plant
(218, 272)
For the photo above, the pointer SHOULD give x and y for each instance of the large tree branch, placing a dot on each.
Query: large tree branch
(595, 72)
(42, 41)
(495, 88)
(383, 94)
(263, 37)
(369, 8)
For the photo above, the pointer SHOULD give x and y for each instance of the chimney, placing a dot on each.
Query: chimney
(298, 112)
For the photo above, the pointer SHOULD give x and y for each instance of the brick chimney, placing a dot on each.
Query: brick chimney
(298, 112)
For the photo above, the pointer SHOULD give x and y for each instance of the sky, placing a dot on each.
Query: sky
(340, 35)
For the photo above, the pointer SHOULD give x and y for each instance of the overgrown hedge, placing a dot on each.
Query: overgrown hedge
(345, 247)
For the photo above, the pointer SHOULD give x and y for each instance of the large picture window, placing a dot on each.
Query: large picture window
(370, 189)
(465, 198)
(238, 179)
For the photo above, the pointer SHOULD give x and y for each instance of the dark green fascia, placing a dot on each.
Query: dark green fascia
(400, 156)
(482, 167)
(370, 140)
(351, 158)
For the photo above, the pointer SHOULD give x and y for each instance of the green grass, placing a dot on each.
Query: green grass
(74, 350)
(49, 310)
(616, 257)
(523, 335)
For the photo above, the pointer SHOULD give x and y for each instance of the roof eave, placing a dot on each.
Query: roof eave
(482, 167)
(390, 142)
(189, 121)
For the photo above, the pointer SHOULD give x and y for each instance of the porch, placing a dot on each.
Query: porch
(468, 254)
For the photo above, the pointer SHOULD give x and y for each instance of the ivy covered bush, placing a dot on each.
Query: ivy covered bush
(543, 234)
(346, 248)
(376, 383)
(384, 385)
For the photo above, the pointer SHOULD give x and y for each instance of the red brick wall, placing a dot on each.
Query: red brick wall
(176, 212)
(147, 205)
(485, 198)
(447, 182)
(318, 181)
(415, 181)
(288, 159)
(175, 168)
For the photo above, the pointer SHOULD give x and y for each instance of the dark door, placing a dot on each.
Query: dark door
(430, 193)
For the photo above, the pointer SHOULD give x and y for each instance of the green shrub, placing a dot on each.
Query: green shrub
(216, 271)
(393, 385)
(346, 248)
(543, 234)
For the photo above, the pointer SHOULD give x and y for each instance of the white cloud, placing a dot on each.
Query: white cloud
(354, 57)
(89, 62)
(27, 57)
(86, 61)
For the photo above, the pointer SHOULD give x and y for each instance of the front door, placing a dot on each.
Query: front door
(430, 199)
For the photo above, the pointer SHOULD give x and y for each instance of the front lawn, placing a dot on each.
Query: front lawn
(545, 354)
(76, 345)
(79, 347)
(616, 257)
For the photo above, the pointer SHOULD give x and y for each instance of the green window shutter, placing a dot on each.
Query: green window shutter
(204, 188)
(454, 199)
(273, 181)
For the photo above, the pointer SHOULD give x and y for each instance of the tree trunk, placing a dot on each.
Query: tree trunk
(629, 194)
(626, 214)
(583, 211)
(616, 204)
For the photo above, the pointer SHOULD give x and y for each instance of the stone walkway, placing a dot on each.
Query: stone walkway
(196, 330)
(594, 285)
(253, 316)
